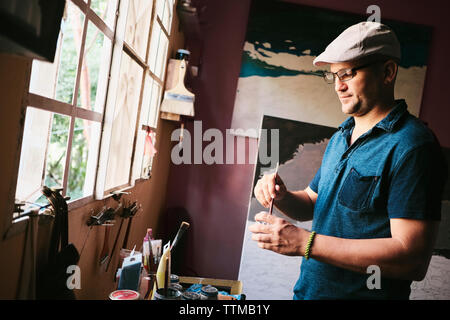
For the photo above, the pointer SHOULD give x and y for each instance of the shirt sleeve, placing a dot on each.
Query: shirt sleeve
(417, 185)
(314, 185)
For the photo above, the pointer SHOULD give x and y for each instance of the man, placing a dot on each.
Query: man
(375, 201)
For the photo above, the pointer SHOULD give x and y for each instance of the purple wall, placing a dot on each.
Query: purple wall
(216, 196)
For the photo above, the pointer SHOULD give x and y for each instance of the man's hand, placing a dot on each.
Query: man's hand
(269, 187)
(278, 235)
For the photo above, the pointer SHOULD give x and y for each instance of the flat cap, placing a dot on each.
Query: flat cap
(359, 41)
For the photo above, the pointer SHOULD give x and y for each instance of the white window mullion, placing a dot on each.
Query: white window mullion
(68, 153)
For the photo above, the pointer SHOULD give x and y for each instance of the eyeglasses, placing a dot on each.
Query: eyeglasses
(343, 74)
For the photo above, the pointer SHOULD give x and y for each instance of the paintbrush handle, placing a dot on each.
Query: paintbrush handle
(271, 206)
(183, 227)
(273, 199)
(166, 278)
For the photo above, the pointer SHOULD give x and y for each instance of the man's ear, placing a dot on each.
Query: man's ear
(390, 71)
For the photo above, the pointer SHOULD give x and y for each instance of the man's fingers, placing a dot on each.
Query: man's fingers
(261, 237)
(260, 228)
(267, 195)
(268, 188)
(271, 186)
(262, 198)
(265, 217)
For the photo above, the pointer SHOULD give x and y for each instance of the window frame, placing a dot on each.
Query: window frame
(122, 47)
(13, 225)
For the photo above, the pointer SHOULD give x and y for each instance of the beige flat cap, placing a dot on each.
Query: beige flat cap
(361, 40)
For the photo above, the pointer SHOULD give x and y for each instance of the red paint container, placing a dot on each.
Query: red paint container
(124, 295)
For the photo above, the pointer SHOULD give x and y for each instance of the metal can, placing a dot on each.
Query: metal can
(124, 295)
(172, 294)
(190, 295)
(174, 278)
(209, 292)
(176, 286)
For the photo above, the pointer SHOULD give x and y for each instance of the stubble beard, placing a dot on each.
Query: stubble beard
(351, 107)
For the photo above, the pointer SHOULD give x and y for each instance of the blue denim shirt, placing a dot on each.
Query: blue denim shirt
(388, 172)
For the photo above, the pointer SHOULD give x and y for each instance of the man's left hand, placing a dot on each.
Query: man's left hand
(278, 235)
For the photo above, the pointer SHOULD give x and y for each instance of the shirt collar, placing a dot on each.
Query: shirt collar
(387, 123)
(392, 118)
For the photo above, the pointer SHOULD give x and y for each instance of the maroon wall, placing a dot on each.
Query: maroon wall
(216, 196)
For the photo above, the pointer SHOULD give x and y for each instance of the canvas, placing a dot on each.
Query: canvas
(265, 274)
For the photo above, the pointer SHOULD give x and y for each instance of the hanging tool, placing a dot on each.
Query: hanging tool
(109, 222)
(128, 212)
(125, 215)
(179, 100)
(52, 280)
(180, 144)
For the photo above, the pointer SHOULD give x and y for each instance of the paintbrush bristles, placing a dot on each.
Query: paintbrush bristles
(185, 225)
(185, 108)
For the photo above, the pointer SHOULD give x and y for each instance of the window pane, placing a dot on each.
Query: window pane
(124, 123)
(32, 155)
(43, 75)
(138, 24)
(165, 13)
(72, 30)
(149, 116)
(95, 69)
(105, 9)
(146, 98)
(154, 43)
(160, 7)
(83, 159)
(56, 151)
(154, 105)
(141, 134)
(161, 56)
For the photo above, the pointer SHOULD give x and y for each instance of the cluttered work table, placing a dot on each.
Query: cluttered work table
(146, 275)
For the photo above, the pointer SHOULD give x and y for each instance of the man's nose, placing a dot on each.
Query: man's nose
(339, 85)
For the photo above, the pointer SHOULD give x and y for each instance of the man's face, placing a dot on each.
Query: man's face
(357, 95)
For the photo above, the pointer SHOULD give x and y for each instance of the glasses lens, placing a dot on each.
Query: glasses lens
(329, 77)
(346, 74)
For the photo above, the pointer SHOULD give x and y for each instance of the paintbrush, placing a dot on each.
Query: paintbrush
(184, 225)
(179, 100)
(166, 278)
(271, 202)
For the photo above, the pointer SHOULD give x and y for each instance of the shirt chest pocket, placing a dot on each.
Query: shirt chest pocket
(357, 190)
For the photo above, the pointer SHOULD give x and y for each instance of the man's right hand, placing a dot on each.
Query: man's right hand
(269, 187)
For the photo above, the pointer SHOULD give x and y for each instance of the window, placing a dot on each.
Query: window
(83, 124)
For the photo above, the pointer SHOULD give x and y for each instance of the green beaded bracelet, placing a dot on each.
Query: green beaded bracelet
(308, 245)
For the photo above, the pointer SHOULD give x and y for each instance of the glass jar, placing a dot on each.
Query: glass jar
(190, 295)
(172, 294)
(209, 292)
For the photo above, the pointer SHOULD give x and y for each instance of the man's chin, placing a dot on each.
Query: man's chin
(348, 108)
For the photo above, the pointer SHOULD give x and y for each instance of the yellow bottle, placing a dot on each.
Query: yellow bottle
(164, 263)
